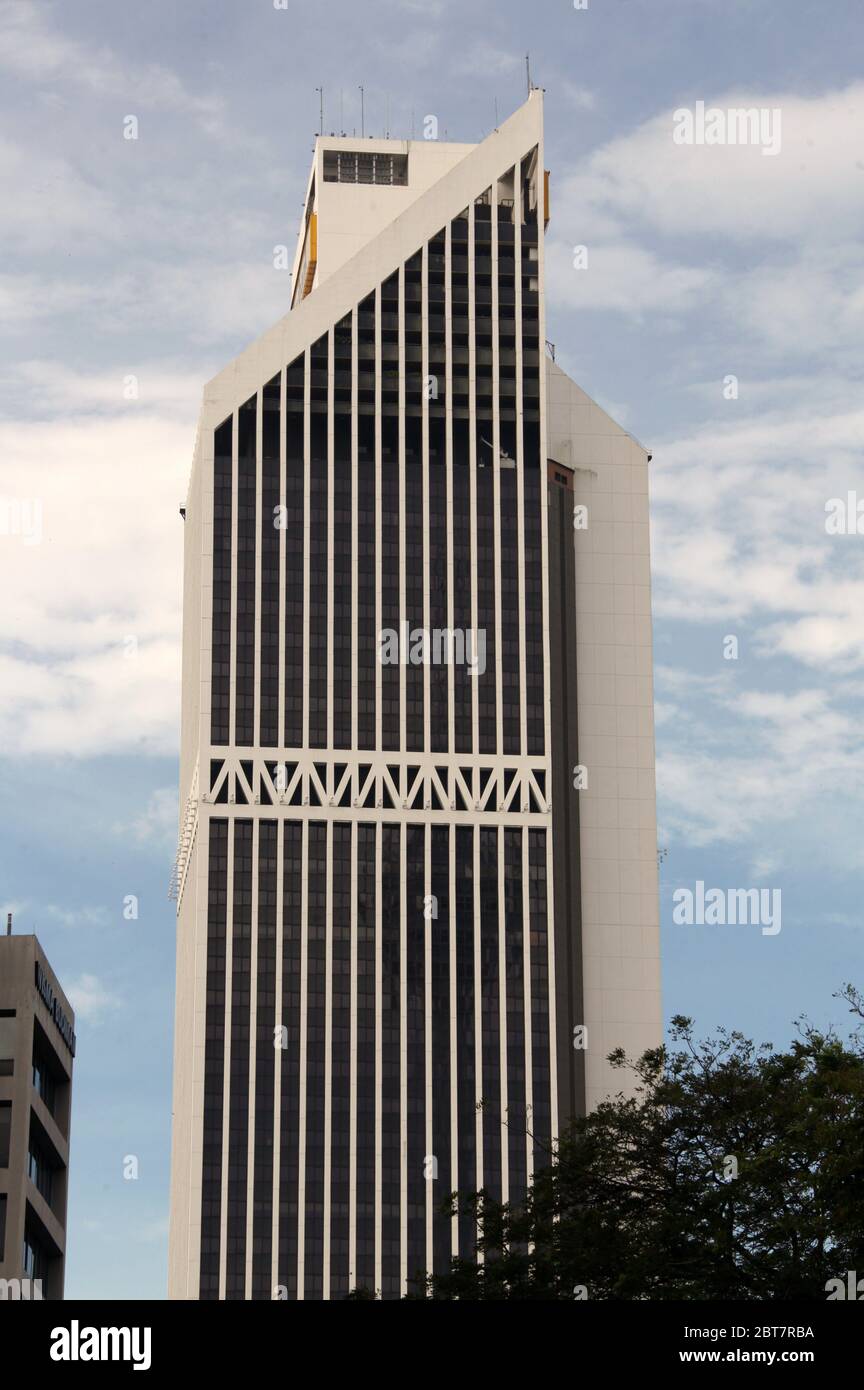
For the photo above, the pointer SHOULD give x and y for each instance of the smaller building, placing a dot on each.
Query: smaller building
(37, 1050)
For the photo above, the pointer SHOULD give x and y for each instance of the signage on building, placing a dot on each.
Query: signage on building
(55, 1008)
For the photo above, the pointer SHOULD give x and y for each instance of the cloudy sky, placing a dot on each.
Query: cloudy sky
(133, 269)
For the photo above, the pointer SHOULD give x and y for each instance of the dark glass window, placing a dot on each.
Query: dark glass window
(340, 1048)
(390, 610)
(5, 1131)
(514, 956)
(292, 934)
(467, 1094)
(533, 485)
(391, 1146)
(508, 581)
(238, 1092)
(316, 987)
(440, 960)
(40, 1171)
(44, 1084)
(35, 1258)
(220, 682)
(540, 1041)
(214, 1060)
(361, 166)
(246, 563)
(439, 675)
(342, 540)
(318, 544)
(295, 546)
(487, 579)
(419, 1184)
(367, 634)
(270, 532)
(415, 672)
(533, 470)
(265, 1063)
(8, 1027)
(365, 1275)
(463, 683)
(491, 1034)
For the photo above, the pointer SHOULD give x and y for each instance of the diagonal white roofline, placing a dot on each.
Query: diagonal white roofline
(341, 292)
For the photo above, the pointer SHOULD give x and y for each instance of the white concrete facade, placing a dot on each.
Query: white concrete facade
(618, 819)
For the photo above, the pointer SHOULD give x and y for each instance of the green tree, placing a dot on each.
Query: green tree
(734, 1172)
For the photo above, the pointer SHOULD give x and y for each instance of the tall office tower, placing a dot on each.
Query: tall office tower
(37, 1047)
(400, 907)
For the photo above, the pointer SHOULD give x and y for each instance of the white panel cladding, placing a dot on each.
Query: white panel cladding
(617, 811)
(422, 785)
(352, 215)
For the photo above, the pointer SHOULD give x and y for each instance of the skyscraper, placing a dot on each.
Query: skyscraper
(417, 873)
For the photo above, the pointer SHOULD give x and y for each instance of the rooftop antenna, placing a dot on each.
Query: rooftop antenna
(496, 113)
(362, 115)
(341, 114)
(320, 91)
(8, 923)
(412, 122)
(387, 119)
(528, 73)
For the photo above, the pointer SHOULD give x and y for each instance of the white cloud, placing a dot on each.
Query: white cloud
(670, 226)
(33, 48)
(765, 866)
(758, 768)
(682, 191)
(426, 8)
(487, 58)
(89, 643)
(575, 95)
(54, 388)
(158, 823)
(90, 998)
(153, 1232)
(207, 300)
(28, 298)
(61, 205)
(86, 916)
(623, 277)
(739, 533)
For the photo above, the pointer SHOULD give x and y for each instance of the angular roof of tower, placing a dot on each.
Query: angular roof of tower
(394, 243)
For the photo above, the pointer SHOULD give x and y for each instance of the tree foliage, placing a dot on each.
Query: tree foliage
(734, 1172)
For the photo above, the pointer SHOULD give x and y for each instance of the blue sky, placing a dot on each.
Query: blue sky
(133, 270)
